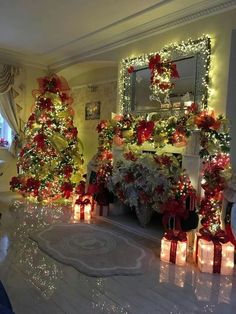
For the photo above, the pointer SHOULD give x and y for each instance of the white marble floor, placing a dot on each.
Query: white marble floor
(38, 284)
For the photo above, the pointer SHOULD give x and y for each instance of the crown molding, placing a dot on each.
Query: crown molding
(93, 83)
(182, 17)
(19, 59)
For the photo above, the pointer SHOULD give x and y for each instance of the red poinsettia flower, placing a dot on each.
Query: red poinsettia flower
(39, 139)
(32, 184)
(66, 189)
(72, 133)
(174, 72)
(144, 197)
(129, 177)
(67, 170)
(106, 155)
(207, 121)
(166, 160)
(80, 189)
(102, 125)
(144, 131)
(159, 189)
(15, 182)
(193, 108)
(66, 98)
(130, 156)
(154, 61)
(45, 104)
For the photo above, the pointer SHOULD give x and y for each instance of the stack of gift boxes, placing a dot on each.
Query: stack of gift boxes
(212, 253)
(84, 206)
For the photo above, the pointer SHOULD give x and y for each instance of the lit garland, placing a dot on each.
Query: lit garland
(174, 51)
(49, 163)
(215, 146)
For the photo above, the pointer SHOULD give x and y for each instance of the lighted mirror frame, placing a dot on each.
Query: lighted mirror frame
(199, 49)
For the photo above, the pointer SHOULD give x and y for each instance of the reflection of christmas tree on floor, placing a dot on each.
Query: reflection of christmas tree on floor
(49, 163)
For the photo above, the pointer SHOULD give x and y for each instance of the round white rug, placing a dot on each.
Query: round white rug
(93, 250)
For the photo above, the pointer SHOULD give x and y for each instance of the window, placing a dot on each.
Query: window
(5, 132)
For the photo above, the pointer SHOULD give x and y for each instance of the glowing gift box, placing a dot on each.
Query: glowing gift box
(82, 208)
(174, 247)
(87, 196)
(214, 253)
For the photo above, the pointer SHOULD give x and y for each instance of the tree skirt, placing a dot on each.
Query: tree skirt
(93, 250)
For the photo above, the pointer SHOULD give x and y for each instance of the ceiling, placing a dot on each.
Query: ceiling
(58, 33)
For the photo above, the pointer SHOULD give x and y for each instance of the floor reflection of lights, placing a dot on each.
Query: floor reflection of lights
(166, 288)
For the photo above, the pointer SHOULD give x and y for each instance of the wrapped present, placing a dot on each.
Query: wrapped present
(174, 247)
(79, 192)
(82, 208)
(214, 253)
(102, 210)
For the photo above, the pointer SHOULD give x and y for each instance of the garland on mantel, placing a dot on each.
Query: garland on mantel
(214, 151)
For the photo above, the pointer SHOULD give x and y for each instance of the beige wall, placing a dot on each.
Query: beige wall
(106, 94)
(219, 27)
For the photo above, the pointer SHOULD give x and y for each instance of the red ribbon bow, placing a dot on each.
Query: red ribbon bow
(219, 236)
(82, 202)
(172, 235)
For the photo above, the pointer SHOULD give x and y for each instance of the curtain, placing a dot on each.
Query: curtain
(8, 108)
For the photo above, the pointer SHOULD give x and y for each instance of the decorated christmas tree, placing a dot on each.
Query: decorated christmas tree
(49, 164)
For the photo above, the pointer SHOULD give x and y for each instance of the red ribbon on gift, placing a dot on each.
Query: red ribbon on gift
(218, 238)
(174, 237)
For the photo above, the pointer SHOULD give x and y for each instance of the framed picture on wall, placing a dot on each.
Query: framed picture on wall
(92, 110)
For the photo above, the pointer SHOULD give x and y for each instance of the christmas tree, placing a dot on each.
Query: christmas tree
(49, 164)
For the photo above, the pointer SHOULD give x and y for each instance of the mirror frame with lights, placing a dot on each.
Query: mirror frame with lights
(200, 49)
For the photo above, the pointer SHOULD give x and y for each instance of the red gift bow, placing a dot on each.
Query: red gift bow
(218, 238)
(174, 237)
